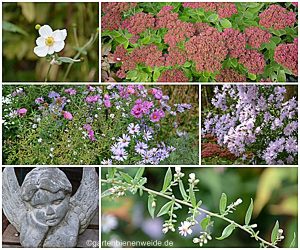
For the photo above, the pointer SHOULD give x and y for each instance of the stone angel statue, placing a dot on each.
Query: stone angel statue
(42, 209)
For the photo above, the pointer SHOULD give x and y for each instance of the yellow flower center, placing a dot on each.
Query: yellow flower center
(49, 41)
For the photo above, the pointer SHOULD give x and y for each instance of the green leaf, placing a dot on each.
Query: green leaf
(156, 74)
(165, 209)
(182, 190)
(187, 64)
(146, 40)
(281, 76)
(111, 172)
(213, 18)
(225, 23)
(105, 193)
(275, 232)
(7, 26)
(132, 75)
(249, 213)
(67, 60)
(167, 181)
(139, 173)
(192, 196)
(252, 76)
(223, 203)
(205, 222)
(126, 177)
(226, 232)
(151, 209)
(293, 243)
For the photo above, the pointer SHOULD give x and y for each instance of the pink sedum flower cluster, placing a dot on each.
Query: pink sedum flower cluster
(257, 36)
(230, 75)
(287, 56)
(224, 10)
(277, 17)
(235, 42)
(207, 50)
(253, 61)
(173, 75)
(138, 23)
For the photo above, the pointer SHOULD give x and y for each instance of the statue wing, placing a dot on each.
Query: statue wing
(85, 201)
(13, 206)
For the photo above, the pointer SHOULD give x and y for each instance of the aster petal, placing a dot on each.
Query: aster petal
(45, 31)
(50, 50)
(41, 51)
(40, 41)
(58, 46)
(59, 35)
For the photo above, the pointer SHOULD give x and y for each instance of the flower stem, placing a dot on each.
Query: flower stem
(150, 191)
(47, 76)
(81, 51)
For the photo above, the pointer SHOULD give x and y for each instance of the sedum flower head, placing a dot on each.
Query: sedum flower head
(49, 41)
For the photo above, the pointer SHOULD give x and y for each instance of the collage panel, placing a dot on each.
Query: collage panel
(50, 207)
(199, 42)
(249, 124)
(199, 207)
(50, 41)
(100, 124)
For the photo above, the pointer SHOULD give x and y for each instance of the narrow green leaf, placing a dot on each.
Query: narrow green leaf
(249, 213)
(226, 232)
(192, 196)
(139, 173)
(151, 208)
(167, 181)
(293, 243)
(111, 172)
(225, 23)
(165, 209)
(156, 74)
(126, 177)
(205, 222)
(7, 26)
(223, 203)
(67, 60)
(182, 190)
(275, 232)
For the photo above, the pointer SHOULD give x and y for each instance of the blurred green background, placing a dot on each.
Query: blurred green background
(274, 191)
(20, 64)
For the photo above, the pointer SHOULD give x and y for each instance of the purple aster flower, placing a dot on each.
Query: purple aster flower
(70, 91)
(141, 147)
(53, 94)
(39, 100)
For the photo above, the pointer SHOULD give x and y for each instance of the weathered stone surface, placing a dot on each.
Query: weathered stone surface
(42, 209)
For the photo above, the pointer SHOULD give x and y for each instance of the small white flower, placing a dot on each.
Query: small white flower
(185, 229)
(192, 177)
(39, 140)
(34, 125)
(51, 155)
(51, 149)
(49, 41)
(178, 170)
(112, 116)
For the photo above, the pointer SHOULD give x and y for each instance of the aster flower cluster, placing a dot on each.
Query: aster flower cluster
(140, 112)
(287, 56)
(277, 17)
(255, 121)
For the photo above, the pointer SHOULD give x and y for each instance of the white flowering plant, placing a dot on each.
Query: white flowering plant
(179, 192)
(94, 124)
(50, 42)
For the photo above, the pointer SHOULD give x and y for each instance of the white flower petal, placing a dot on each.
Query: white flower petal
(50, 50)
(40, 41)
(41, 51)
(45, 31)
(58, 46)
(59, 35)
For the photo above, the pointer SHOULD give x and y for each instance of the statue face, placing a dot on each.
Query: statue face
(49, 208)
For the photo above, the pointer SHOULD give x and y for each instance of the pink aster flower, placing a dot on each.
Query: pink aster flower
(22, 112)
(157, 93)
(155, 116)
(70, 91)
(107, 103)
(92, 98)
(68, 115)
(87, 127)
(137, 110)
(91, 134)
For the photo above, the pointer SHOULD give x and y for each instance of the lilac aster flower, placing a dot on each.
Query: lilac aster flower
(141, 147)
(53, 94)
(39, 100)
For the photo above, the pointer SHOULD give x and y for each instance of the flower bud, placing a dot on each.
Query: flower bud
(37, 27)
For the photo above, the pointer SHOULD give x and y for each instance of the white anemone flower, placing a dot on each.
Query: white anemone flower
(49, 41)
